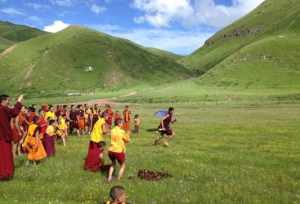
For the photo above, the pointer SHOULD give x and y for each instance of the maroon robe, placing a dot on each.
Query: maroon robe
(93, 161)
(6, 155)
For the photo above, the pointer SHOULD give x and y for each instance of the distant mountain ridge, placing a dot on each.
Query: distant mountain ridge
(12, 33)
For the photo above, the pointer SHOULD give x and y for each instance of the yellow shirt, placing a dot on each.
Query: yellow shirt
(50, 115)
(62, 124)
(118, 139)
(97, 132)
(50, 130)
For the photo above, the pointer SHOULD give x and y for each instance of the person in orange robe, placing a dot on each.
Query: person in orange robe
(110, 114)
(6, 154)
(126, 119)
(80, 120)
(33, 144)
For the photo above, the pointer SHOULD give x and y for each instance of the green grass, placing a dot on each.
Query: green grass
(186, 91)
(221, 154)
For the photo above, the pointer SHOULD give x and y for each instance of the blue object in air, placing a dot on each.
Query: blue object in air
(161, 113)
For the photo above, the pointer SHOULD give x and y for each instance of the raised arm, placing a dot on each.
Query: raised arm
(16, 110)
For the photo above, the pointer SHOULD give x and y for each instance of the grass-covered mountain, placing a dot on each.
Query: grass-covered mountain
(260, 50)
(271, 17)
(11, 33)
(81, 59)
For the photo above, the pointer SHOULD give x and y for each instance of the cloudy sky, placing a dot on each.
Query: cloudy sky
(180, 26)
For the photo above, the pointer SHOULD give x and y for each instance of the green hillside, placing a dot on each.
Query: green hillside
(272, 62)
(260, 50)
(11, 33)
(4, 43)
(271, 18)
(164, 53)
(17, 33)
(79, 59)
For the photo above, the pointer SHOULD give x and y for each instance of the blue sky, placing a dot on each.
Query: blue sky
(180, 26)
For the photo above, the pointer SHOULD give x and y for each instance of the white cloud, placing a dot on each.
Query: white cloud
(209, 13)
(97, 9)
(160, 13)
(56, 26)
(65, 3)
(177, 41)
(12, 12)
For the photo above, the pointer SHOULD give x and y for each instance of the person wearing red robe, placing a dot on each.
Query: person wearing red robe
(6, 154)
(42, 124)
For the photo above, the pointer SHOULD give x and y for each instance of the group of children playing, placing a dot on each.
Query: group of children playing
(119, 132)
(35, 131)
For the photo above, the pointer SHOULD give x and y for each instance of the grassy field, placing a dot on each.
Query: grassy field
(221, 154)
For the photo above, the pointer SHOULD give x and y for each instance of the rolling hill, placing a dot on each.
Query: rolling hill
(79, 59)
(270, 18)
(11, 33)
(259, 50)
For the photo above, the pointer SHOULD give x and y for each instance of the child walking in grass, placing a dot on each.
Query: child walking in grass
(49, 138)
(62, 130)
(137, 124)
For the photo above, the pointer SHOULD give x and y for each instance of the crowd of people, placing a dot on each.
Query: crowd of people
(35, 130)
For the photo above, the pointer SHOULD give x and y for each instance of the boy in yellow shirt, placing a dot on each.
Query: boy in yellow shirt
(116, 151)
(50, 115)
(62, 130)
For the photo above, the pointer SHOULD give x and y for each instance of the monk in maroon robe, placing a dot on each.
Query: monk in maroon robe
(6, 154)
